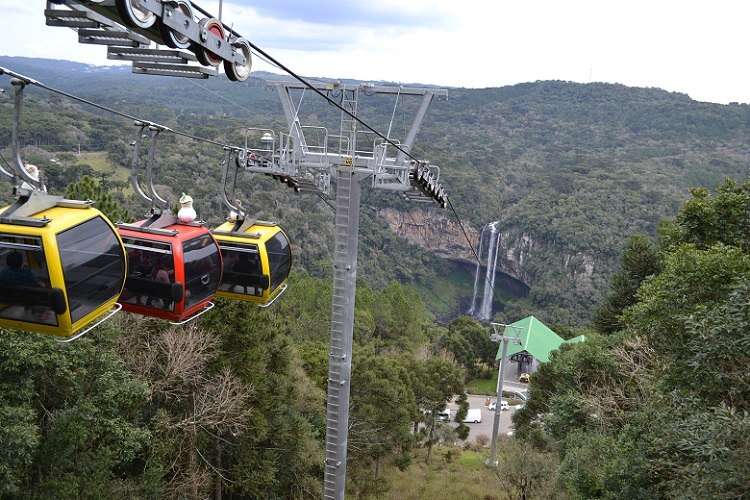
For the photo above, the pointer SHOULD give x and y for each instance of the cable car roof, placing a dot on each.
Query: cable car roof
(182, 232)
(60, 218)
(258, 233)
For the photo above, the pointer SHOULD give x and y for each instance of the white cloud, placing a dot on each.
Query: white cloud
(690, 46)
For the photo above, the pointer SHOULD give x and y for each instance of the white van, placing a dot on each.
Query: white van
(474, 416)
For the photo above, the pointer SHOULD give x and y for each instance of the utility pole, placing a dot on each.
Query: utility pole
(504, 340)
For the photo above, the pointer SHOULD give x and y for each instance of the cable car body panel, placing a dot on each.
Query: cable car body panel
(168, 290)
(256, 262)
(64, 274)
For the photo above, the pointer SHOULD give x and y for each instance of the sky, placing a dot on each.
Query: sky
(691, 46)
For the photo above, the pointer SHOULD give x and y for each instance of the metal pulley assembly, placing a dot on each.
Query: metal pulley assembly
(128, 27)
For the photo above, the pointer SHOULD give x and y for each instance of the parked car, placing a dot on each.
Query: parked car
(474, 415)
(503, 405)
(444, 415)
(524, 378)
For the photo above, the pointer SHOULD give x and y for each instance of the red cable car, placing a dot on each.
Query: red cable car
(173, 271)
(174, 267)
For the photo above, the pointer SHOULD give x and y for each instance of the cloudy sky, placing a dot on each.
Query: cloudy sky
(692, 46)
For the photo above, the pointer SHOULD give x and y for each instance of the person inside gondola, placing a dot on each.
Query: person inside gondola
(15, 274)
(162, 275)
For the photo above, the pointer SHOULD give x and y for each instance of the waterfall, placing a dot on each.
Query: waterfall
(489, 240)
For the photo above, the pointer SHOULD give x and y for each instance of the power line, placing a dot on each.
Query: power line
(463, 230)
(196, 138)
(306, 83)
(325, 200)
(31, 81)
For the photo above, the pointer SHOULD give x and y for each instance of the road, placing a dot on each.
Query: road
(485, 426)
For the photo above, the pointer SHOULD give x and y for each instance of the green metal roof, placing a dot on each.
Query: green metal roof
(576, 340)
(536, 339)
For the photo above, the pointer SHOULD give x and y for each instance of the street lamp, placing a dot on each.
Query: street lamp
(499, 337)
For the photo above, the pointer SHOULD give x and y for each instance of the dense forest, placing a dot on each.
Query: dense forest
(653, 405)
(568, 168)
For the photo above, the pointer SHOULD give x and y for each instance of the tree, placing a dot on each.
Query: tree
(468, 343)
(462, 431)
(659, 409)
(71, 421)
(434, 381)
(525, 472)
(197, 406)
(639, 261)
(89, 189)
(381, 411)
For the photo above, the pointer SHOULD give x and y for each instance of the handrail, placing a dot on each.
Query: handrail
(208, 307)
(281, 291)
(78, 335)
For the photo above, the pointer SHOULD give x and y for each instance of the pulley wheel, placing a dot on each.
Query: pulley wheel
(239, 72)
(172, 38)
(134, 14)
(205, 56)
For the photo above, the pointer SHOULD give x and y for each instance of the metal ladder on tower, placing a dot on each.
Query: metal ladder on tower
(349, 98)
(348, 192)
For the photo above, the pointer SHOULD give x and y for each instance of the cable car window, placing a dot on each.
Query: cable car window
(242, 270)
(202, 269)
(24, 281)
(279, 258)
(150, 274)
(93, 265)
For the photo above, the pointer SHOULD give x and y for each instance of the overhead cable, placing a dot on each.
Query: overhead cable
(303, 81)
(31, 81)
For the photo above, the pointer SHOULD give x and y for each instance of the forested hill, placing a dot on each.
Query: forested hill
(568, 169)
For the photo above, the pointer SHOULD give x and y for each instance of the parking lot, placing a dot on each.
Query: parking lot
(485, 426)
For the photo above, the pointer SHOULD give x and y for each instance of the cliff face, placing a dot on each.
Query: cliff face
(521, 255)
(431, 230)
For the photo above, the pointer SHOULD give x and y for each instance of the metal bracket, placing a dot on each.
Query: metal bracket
(20, 212)
(279, 293)
(195, 316)
(150, 230)
(78, 335)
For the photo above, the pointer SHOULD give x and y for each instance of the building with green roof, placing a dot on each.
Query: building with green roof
(537, 343)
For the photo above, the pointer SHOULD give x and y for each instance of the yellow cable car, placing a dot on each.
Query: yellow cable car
(256, 255)
(60, 274)
(62, 263)
(256, 260)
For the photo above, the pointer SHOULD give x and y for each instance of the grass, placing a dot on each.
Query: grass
(488, 387)
(99, 161)
(463, 478)
(483, 386)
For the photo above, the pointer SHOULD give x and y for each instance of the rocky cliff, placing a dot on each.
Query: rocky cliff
(521, 255)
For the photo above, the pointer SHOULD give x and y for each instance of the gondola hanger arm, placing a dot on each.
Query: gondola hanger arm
(229, 155)
(134, 181)
(18, 163)
(157, 200)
